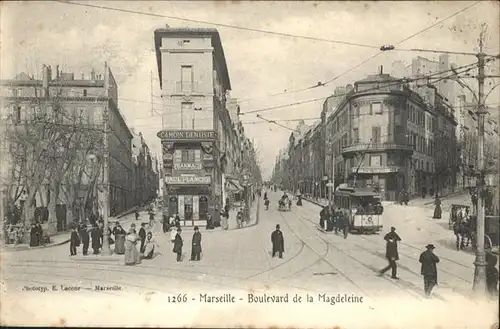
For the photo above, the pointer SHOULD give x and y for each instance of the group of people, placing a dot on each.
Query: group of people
(146, 244)
(429, 260)
(335, 220)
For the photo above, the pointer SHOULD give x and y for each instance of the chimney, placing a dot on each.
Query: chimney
(57, 72)
(45, 79)
(92, 75)
(83, 78)
(381, 70)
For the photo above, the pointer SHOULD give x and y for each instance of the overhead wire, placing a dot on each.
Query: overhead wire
(129, 11)
(373, 56)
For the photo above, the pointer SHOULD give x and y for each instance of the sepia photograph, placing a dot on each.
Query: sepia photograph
(250, 164)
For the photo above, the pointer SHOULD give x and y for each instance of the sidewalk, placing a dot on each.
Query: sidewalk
(125, 219)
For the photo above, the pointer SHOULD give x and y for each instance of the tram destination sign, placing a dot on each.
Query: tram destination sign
(186, 135)
(188, 180)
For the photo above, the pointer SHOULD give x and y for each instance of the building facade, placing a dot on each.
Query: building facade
(146, 173)
(202, 139)
(381, 133)
(93, 99)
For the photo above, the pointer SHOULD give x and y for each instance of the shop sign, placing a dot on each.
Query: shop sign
(186, 135)
(188, 166)
(187, 180)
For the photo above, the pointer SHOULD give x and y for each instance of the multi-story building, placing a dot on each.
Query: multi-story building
(382, 133)
(146, 174)
(93, 99)
(201, 142)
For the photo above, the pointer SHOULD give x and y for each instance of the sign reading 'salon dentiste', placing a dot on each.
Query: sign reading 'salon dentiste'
(187, 180)
(186, 134)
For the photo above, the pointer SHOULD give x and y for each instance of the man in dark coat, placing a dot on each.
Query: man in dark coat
(74, 241)
(196, 244)
(278, 242)
(34, 236)
(391, 253)
(323, 214)
(492, 274)
(142, 235)
(429, 268)
(178, 245)
(342, 224)
(96, 235)
(39, 233)
(84, 235)
(165, 223)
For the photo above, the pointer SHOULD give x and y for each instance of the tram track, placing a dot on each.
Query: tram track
(400, 266)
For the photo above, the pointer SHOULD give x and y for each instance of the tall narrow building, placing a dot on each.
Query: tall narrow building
(194, 81)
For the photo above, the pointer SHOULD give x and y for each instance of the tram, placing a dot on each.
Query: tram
(363, 208)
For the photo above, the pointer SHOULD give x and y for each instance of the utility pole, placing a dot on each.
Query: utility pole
(331, 182)
(105, 237)
(479, 284)
(151, 86)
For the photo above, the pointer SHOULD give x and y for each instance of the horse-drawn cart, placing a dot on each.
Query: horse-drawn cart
(457, 211)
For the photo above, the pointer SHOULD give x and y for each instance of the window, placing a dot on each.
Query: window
(428, 168)
(355, 135)
(84, 92)
(375, 134)
(186, 78)
(17, 114)
(187, 156)
(376, 108)
(375, 160)
(187, 115)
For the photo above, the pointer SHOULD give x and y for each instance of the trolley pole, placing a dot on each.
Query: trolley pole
(331, 182)
(105, 237)
(479, 284)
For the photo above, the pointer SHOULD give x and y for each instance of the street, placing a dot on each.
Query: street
(240, 262)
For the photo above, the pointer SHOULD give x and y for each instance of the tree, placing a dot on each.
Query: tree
(47, 144)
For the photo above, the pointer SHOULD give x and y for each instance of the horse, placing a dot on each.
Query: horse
(463, 230)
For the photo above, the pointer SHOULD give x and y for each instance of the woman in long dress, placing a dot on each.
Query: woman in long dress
(131, 253)
(149, 248)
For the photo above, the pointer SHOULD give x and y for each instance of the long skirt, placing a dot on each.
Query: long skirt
(437, 212)
(131, 253)
(150, 250)
(120, 244)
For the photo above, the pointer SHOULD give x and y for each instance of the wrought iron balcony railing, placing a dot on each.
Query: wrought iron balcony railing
(361, 147)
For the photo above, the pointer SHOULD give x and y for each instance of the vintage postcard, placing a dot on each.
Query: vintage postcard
(253, 164)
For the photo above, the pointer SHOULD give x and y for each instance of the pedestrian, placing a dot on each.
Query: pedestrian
(151, 218)
(278, 242)
(39, 234)
(131, 254)
(196, 245)
(178, 245)
(437, 209)
(74, 241)
(149, 248)
(342, 224)
(322, 215)
(165, 224)
(491, 274)
(136, 215)
(33, 236)
(171, 222)
(96, 235)
(239, 219)
(119, 234)
(391, 253)
(225, 218)
(429, 269)
(177, 221)
(142, 235)
(84, 235)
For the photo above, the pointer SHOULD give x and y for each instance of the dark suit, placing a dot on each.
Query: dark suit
(178, 246)
(429, 270)
(74, 242)
(85, 239)
(278, 243)
(391, 253)
(142, 234)
(196, 246)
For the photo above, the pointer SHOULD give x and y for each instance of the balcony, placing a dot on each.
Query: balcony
(187, 88)
(376, 147)
(377, 170)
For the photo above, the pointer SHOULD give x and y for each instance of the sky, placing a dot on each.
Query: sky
(81, 38)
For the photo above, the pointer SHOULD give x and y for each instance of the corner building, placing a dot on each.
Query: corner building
(194, 81)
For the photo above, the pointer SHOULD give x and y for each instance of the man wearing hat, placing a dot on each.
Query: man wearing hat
(429, 268)
(278, 242)
(178, 245)
(391, 252)
(196, 245)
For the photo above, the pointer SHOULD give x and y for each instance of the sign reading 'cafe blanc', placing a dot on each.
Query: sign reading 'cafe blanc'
(187, 180)
(186, 134)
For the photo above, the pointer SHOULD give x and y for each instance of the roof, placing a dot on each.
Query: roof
(377, 78)
(190, 32)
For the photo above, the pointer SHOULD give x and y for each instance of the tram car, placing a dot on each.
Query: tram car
(363, 208)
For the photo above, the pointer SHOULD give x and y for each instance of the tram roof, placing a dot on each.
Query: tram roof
(356, 191)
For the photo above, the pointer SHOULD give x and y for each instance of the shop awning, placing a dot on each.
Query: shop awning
(234, 185)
